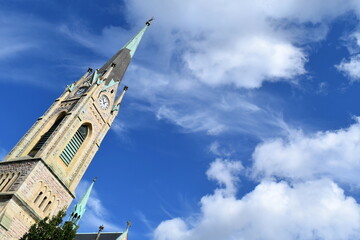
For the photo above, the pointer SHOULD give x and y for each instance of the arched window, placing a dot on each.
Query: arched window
(47, 206)
(11, 176)
(42, 202)
(3, 179)
(38, 197)
(13, 181)
(74, 144)
(9, 181)
(46, 136)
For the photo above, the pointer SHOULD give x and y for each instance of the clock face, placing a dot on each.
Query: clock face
(81, 90)
(104, 102)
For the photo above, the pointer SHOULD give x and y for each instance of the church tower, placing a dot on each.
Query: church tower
(40, 174)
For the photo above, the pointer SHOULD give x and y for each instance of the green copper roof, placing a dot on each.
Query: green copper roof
(122, 58)
(80, 207)
(134, 42)
(124, 235)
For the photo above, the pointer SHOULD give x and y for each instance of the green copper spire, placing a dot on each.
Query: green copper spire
(124, 235)
(115, 67)
(134, 42)
(80, 207)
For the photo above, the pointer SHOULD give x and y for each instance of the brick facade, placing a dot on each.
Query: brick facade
(18, 210)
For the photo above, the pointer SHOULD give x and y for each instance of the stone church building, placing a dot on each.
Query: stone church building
(39, 175)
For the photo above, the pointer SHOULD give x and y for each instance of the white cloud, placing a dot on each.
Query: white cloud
(247, 62)
(273, 210)
(350, 67)
(220, 151)
(331, 153)
(225, 173)
(241, 43)
(214, 148)
(356, 37)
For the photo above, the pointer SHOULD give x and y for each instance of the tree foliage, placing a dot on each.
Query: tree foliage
(51, 229)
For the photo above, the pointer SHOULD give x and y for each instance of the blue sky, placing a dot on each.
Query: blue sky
(241, 119)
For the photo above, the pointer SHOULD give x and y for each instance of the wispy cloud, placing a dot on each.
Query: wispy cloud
(28, 38)
(219, 151)
(199, 108)
(13, 32)
(148, 224)
(350, 67)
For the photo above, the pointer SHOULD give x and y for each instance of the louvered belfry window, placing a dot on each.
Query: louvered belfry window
(46, 136)
(73, 146)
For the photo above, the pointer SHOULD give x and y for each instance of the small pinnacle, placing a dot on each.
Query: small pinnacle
(126, 88)
(113, 64)
(90, 70)
(149, 21)
(128, 224)
(94, 180)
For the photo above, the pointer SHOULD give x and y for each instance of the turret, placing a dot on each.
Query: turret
(80, 207)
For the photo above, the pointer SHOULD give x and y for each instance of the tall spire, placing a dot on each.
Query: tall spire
(134, 42)
(123, 57)
(80, 207)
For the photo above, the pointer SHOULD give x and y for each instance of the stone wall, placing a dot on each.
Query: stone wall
(18, 208)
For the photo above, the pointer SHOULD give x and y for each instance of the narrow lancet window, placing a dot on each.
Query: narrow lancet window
(46, 136)
(74, 144)
(38, 197)
(3, 179)
(7, 181)
(47, 206)
(42, 202)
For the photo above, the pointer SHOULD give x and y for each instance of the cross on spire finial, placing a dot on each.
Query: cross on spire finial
(149, 21)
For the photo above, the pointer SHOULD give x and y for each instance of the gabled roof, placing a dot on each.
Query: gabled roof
(103, 236)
